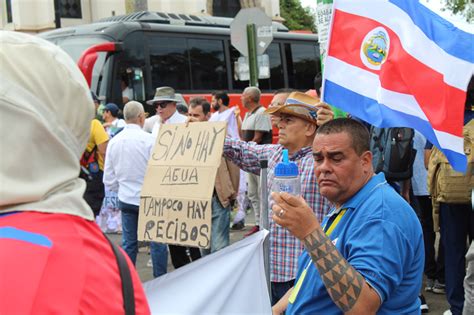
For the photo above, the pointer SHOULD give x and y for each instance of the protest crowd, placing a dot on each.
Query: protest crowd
(359, 237)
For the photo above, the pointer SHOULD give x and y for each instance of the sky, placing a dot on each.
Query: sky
(434, 5)
(308, 3)
(312, 3)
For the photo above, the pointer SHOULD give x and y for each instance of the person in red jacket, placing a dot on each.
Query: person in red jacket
(53, 257)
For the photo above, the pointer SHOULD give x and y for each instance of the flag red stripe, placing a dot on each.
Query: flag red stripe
(401, 72)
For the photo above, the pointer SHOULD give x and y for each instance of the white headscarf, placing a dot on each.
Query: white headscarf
(45, 114)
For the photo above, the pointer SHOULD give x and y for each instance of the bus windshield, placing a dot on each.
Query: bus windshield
(75, 46)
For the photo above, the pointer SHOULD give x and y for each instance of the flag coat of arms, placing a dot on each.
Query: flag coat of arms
(398, 64)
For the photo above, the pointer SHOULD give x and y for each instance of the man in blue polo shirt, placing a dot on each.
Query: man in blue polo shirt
(367, 256)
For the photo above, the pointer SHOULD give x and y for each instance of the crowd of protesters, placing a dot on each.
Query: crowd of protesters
(349, 243)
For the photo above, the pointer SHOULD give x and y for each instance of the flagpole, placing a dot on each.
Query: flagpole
(264, 220)
(323, 23)
(323, 20)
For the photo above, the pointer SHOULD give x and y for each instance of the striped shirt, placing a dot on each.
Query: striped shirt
(284, 247)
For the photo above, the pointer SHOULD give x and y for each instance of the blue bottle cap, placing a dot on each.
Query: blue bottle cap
(285, 168)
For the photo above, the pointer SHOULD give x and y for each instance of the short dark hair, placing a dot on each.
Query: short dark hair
(221, 95)
(357, 132)
(124, 78)
(181, 108)
(200, 101)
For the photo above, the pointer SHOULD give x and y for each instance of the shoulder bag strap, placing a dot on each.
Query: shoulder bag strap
(127, 284)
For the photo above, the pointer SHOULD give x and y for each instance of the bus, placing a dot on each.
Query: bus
(193, 54)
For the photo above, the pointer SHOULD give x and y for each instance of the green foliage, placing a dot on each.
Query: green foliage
(456, 5)
(296, 17)
(463, 7)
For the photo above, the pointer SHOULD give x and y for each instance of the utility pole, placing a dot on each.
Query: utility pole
(251, 43)
(57, 13)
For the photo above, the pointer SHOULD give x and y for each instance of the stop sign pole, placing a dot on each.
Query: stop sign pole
(251, 33)
(251, 43)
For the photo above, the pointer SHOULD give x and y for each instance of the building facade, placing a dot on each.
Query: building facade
(39, 15)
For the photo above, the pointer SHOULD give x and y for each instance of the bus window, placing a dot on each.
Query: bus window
(169, 62)
(133, 53)
(97, 72)
(276, 80)
(132, 85)
(99, 82)
(137, 84)
(128, 83)
(208, 65)
(237, 85)
(303, 64)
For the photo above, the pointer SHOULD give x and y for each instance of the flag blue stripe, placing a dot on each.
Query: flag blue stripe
(25, 236)
(451, 39)
(379, 115)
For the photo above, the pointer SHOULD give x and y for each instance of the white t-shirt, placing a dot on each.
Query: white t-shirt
(176, 118)
(229, 116)
(127, 92)
(114, 126)
(119, 123)
(150, 122)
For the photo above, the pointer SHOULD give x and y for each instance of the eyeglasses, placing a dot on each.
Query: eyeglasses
(162, 104)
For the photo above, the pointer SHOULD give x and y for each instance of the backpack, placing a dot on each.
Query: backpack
(89, 164)
(393, 152)
(444, 183)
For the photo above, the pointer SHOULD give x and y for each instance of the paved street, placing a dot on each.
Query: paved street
(146, 273)
(436, 302)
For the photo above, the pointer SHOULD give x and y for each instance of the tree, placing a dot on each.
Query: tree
(462, 7)
(296, 17)
(456, 5)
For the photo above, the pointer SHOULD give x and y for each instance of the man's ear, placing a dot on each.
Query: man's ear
(366, 159)
(141, 119)
(310, 129)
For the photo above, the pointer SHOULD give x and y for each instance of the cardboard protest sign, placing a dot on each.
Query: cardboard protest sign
(175, 205)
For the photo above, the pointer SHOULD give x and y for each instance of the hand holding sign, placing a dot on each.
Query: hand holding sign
(175, 205)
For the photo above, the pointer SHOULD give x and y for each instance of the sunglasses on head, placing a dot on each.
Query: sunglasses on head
(162, 104)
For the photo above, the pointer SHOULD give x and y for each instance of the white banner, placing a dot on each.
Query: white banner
(230, 281)
(323, 20)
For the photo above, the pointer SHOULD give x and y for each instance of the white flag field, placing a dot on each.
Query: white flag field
(230, 281)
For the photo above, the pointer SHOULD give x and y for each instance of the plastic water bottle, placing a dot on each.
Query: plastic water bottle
(287, 177)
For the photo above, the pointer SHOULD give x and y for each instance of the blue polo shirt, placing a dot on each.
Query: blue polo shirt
(381, 237)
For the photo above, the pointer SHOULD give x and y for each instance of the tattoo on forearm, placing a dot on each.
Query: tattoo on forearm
(343, 283)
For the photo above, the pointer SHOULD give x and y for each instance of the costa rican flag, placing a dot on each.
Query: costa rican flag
(398, 64)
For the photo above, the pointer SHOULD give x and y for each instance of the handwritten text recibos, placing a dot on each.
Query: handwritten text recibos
(175, 205)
